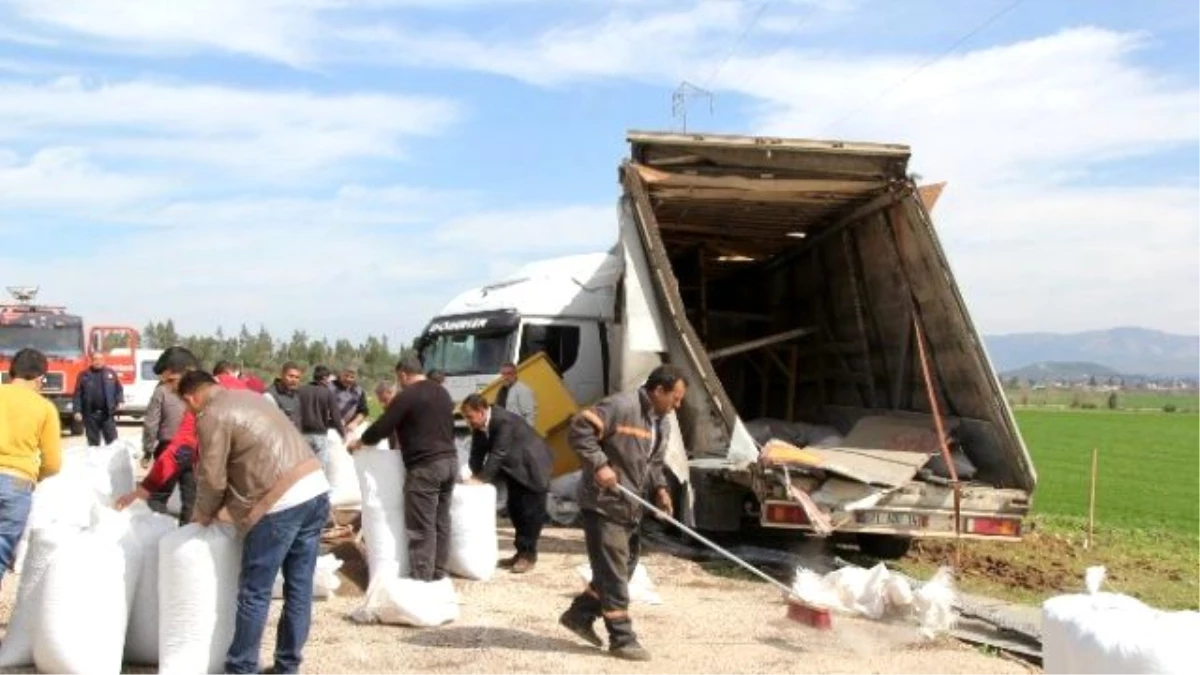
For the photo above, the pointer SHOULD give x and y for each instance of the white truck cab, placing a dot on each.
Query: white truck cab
(562, 307)
(137, 395)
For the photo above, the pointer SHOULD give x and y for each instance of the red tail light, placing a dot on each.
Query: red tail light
(784, 513)
(994, 527)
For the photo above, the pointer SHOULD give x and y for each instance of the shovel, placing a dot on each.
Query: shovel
(798, 610)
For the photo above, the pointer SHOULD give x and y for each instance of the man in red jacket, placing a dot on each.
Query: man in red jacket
(177, 461)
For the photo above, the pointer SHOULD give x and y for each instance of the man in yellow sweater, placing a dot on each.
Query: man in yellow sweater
(29, 446)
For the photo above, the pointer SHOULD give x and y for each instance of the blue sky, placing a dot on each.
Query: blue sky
(345, 167)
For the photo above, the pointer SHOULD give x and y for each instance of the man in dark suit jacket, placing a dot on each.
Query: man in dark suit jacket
(504, 443)
(98, 397)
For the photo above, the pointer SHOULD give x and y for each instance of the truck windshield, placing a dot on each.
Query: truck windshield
(65, 342)
(468, 353)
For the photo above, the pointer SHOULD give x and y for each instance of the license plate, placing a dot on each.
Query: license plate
(891, 519)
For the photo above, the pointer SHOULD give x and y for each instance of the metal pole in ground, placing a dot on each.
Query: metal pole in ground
(1092, 501)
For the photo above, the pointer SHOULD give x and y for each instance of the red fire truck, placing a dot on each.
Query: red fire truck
(68, 347)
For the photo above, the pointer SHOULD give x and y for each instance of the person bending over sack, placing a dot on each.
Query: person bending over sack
(175, 464)
(622, 439)
(258, 467)
(504, 445)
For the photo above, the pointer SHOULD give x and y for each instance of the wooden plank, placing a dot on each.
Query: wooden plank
(818, 193)
(896, 150)
(759, 343)
(859, 319)
(657, 179)
(793, 362)
(811, 243)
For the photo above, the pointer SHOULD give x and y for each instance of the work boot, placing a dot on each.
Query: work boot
(630, 652)
(507, 563)
(523, 563)
(623, 642)
(580, 619)
(582, 627)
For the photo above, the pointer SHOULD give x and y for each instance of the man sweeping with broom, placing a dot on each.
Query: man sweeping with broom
(620, 440)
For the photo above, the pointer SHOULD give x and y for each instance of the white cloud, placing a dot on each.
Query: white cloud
(66, 178)
(363, 260)
(269, 132)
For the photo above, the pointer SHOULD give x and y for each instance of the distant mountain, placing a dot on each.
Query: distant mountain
(1064, 371)
(1129, 351)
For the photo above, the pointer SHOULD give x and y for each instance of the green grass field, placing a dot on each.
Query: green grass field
(1183, 401)
(1147, 470)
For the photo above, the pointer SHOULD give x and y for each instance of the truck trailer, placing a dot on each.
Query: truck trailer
(837, 382)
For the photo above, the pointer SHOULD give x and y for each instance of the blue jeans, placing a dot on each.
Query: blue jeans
(289, 540)
(320, 447)
(16, 495)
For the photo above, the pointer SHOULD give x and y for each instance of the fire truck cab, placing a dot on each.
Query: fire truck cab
(67, 345)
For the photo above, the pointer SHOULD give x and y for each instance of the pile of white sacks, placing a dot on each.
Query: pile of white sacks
(99, 588)
(391, 596)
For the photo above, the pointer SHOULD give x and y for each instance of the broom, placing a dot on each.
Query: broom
(798, 610)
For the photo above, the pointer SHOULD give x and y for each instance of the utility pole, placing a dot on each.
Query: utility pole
(679, 101)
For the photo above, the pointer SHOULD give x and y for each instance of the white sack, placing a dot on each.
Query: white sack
(343, 479)
(641, 587)
(84, 606)
(89, 475)
(474, 550)
(566, 485)
(877, 593)
(1098, 632)
(16, 650)
(198, 571)
(111, 466)
(407, 602)
(933, 603)
(141, 636)
(381, 477)
(325, 579)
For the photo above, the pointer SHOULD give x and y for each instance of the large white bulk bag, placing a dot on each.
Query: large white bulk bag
(88, 475)
(198, 570)
(141, 636)
(474, 550)
(325, 579)
(381, 477)
(343, 479)
(84, 606)
(16, 650)
(407, 602)
(1111, 633)
(111, 466)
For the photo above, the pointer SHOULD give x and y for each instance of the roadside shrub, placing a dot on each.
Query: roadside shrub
(1112, 401)
(1170, 407)
(1088, 405)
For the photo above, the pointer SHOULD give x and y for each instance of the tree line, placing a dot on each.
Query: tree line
(261, 353)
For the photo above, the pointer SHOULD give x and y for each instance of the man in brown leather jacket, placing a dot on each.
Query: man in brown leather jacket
(255, 464)
(623, 438)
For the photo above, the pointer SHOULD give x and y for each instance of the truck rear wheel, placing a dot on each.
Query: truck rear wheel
(883, 546)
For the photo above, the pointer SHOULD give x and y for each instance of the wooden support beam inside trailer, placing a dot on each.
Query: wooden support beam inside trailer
(758, 343)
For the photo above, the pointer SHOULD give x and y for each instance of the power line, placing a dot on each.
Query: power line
(949, 50)
(737, 45)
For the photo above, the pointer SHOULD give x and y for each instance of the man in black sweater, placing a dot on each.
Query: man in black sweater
(422, 416)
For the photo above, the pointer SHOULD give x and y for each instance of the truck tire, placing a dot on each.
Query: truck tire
(74, 426)
(883, 546)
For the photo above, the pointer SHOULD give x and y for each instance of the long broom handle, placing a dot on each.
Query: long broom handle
(698, 537)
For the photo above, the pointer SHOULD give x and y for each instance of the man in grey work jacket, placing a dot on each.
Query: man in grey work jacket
(622, 438)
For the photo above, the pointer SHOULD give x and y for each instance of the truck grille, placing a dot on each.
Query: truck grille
(54, 383)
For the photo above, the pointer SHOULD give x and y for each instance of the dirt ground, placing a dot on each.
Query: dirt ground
(707, 623)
